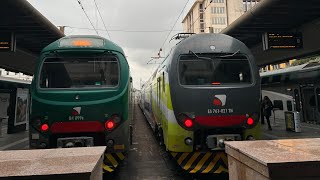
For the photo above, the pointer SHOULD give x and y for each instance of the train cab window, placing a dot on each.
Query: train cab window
(79, 72)
(278, 104)
(264, 80)
(196, 71)
(289, 105)
(276, 78)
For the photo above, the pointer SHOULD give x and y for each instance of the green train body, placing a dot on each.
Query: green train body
(194, 111)
(80, 96)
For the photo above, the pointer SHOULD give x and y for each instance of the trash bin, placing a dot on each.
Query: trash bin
(292, 120)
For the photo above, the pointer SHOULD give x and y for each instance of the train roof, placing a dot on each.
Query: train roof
(210, 42)
(108, 45)
(298, 68)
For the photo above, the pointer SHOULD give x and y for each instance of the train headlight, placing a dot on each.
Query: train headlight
(188, 123)
(44, 127)
(110, 124)
(250, 121)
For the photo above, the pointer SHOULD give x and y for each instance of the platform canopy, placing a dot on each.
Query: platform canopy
(32, 31)
(276, 16)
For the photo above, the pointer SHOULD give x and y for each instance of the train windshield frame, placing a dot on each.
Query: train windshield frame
(69, 73)
(215, 70)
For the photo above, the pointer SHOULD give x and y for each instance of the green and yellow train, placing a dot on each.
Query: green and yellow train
(80, 96)
(205, 92)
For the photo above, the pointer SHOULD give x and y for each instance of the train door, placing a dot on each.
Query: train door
(159, 98)
(309, 104)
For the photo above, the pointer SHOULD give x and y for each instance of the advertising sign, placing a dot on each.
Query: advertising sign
(21, 111)
(7, 42)
(282, 40)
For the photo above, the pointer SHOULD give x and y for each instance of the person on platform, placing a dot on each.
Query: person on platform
(267, 107)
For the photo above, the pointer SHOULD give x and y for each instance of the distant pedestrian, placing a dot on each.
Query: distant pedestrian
(267, 107)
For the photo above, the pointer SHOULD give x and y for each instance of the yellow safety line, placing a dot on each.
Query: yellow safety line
(191, 160)
(182, 157)
(220, 169)
(200, 164)
(106, 167)
(120, 155)
(112, 160)
(174, 154)
(212, 164)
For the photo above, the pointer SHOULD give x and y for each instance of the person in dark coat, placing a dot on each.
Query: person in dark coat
(267, 107)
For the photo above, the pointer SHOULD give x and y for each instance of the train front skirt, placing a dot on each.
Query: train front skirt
(202, 162)
(111, 161)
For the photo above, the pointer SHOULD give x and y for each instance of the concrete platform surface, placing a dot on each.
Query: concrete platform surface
(274, 159)
(24, 163)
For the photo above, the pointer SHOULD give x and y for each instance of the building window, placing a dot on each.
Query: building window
(219, 20)
(218, 1)
(201, 7)
(248, 4)
(217, 30)
(217, 10)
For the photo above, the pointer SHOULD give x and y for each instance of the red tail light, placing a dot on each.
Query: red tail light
(110, 124)
(44, 127)
(250, 121)
(188, 123)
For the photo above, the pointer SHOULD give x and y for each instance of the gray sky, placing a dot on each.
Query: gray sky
(123, 15)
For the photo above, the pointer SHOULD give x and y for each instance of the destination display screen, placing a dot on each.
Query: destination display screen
(284, 40)
(6, 42)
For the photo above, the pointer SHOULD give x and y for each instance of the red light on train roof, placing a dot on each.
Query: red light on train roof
(44, 127)
(250, 121)
(188, 123)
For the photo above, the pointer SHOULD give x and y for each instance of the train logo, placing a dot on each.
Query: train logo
(219, 100)
(76, 111)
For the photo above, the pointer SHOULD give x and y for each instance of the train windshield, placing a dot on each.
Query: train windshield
(93, 72)
(206, 70)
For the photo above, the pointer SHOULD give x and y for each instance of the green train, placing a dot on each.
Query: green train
(80, 97)
(205, 92)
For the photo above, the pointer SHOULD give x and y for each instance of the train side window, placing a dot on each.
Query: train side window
(276, 78)
(264, 80)
(163, 83)
(289, 105)
(318, 98)
(278, 104)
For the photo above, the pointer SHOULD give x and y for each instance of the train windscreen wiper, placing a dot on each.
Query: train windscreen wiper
(208, 58)
(200, 57)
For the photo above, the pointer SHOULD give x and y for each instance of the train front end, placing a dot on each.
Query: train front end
(80, 97)
(215, 94)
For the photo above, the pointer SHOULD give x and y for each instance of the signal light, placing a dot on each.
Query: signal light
(82, 43)
(250, 121)
(44, 127)
(110, 124)
(188, 123)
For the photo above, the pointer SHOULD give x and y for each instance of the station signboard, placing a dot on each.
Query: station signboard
(282, 40)
(7, 42)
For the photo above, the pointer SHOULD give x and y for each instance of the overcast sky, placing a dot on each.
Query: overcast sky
(120, 16)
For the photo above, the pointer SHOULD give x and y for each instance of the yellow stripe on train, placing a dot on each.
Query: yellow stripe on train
(202, 162)
(111, 161)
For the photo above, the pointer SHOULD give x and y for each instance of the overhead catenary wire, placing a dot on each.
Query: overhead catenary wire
(174, 24)
(105, 27)
(87, 16)
(122, 30)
